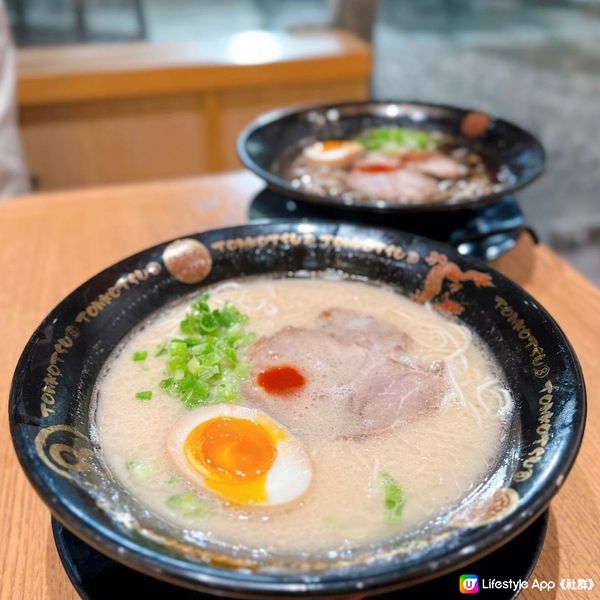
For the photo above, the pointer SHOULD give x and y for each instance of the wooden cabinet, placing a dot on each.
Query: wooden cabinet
(100, 114)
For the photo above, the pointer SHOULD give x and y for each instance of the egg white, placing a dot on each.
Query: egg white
(337, 157)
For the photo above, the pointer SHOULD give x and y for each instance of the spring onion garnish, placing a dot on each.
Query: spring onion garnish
(139, 470)
(145, 395)
(188, 505)
(140, 355)
(205, 367)
(393, 140)
(394, 498)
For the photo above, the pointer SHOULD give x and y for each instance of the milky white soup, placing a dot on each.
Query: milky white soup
(397, 404)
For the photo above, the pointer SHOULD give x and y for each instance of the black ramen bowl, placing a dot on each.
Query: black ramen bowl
(273, 136)
(50, 410)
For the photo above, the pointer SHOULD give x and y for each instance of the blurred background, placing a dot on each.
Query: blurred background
(534, 62)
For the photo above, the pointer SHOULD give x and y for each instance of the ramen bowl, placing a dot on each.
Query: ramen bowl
(52, 419)
(268, 144)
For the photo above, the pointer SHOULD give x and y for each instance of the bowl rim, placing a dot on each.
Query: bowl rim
(207, 577)
(282, 186)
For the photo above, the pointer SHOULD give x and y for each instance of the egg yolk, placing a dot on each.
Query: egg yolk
(329, 145)
(233, 456)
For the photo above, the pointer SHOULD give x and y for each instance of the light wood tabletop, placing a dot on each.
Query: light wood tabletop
(51, 243)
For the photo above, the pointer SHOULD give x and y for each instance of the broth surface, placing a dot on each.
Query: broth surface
(438, 459)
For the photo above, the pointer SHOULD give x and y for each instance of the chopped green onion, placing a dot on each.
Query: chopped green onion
(140, 355)
(145, 395)
(394, 499)
(205, 367)
(208, 323)
(177, 348)
(188, 505)
(139, 470)
(162, 350)
(393, 140)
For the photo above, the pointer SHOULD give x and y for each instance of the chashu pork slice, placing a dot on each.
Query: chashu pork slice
(401, 185)
(352, 327)
(358, 375)
(439, 165)
(329, 369)
(390, 394)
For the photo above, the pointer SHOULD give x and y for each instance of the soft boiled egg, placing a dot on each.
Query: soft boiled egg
(333, 153)
(240, 454)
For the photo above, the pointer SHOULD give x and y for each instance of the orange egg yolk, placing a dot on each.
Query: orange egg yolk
(233, 456)
(329, 145)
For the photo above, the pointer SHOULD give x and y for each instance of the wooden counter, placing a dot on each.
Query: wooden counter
(49, 245)
(113, 113)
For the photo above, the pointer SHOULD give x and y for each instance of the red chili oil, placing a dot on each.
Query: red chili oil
(281, 380)
(377, 168)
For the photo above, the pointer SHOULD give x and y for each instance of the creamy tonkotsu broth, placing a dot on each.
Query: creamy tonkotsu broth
(437, 453)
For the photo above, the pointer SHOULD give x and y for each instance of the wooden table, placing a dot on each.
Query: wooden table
(50, 243)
